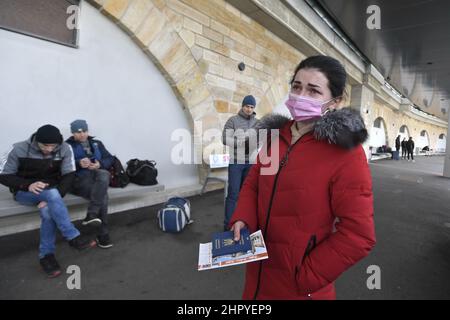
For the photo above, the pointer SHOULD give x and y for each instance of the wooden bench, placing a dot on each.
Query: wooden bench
(10, 207)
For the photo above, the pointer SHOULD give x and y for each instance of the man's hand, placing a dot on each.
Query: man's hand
(94, 166)
(37, 187)
(85, 163)
(42, 205)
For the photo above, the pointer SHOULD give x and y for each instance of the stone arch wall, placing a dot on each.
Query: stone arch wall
(395, 120)
(197, 45)
(154, 33)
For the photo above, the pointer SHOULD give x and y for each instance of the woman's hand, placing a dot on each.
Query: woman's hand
(237, 229)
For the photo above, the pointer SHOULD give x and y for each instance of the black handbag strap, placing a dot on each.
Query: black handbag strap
(134, 174)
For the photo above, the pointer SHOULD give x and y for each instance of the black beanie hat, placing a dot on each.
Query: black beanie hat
(49, 134)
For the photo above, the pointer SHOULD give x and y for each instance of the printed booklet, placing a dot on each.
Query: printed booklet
(258, 252)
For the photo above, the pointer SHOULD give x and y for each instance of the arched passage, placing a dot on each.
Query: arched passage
(423, 140)
(378, 134)
(441, 145)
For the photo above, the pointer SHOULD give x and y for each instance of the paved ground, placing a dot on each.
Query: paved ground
(412, 213)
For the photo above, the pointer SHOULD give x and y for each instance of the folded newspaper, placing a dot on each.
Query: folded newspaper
(258, 252)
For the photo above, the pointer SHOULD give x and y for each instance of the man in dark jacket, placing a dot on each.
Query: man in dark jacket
(404, 149)
(397, 144)
(39, 172)
(92, 178)
(410, 149)
(240, 135)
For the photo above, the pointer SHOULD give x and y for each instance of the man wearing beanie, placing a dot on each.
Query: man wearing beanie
(240, 135)
(39, 172)
(92, 178)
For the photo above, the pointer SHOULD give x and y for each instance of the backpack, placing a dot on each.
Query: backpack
(175, 215)
(142, 172)
(119, 178)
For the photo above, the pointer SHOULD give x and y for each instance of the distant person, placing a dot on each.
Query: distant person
(397, 148)
(92, 178)
(404, 148)
(397, 144)
(410, 148)
(427, 150)
(236, 134)
(39, 172)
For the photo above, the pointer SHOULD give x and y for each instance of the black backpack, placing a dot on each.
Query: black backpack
(119, 178)
(142, 172)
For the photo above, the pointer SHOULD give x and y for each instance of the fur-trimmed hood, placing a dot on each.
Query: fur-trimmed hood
(344, 127)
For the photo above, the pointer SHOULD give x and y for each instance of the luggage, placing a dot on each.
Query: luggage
(119, 178)
(142, 172)
(396, 155)
(175, 215)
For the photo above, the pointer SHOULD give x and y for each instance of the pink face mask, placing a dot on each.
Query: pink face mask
(303, 108)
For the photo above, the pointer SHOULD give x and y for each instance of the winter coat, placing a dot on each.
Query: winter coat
(315, 210)
(98, 150)
(397, 143)
(410, 145)
(25, 164)
(404, 143)
(230, 137)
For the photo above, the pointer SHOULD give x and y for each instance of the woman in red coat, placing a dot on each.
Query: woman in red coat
(316, 210)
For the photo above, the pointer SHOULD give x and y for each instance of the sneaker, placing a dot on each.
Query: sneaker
(82, 243)
(104, 241)
(50, 266)
(414, 161)
(91, 219)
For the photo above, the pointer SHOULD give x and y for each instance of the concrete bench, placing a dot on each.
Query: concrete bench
(9, 207)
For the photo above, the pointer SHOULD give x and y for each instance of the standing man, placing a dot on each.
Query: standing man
(404, 148)
(92, 178)
(39, 172)
(410, 149)
(240, 135)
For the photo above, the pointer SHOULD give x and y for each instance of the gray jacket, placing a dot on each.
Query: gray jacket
(26, 164)
(241, 136)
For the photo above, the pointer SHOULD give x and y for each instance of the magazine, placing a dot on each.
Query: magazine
(258, 252)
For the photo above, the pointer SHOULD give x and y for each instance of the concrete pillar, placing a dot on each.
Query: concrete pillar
(447, 155)
(362, 99)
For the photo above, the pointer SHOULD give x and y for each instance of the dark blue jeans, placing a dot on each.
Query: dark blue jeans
(54, 216)
(236, 176)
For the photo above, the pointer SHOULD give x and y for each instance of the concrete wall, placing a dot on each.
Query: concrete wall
(108, 81)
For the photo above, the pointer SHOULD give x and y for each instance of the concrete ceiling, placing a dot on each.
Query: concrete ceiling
(411, 50)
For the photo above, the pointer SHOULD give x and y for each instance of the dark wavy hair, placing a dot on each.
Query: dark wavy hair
(331, 68)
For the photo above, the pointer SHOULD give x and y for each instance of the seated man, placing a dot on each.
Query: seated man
(39, 172)
(92, 178)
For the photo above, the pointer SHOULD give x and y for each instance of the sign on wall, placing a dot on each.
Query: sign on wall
(51, 20)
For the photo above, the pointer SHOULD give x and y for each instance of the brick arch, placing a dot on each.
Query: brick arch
(150, 29)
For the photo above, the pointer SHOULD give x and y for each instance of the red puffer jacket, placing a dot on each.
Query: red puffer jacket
(316, 212)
